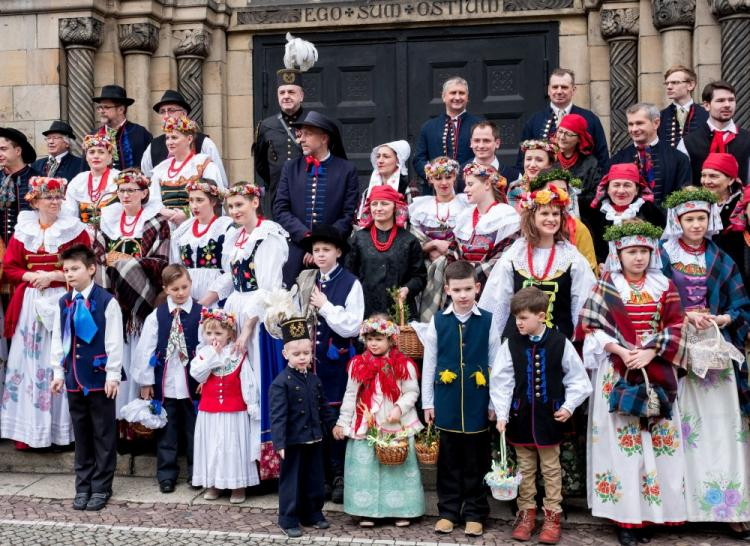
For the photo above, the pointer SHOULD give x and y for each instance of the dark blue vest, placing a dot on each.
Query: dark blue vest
(85, 363)
(332, 352)
(461, 405)
(190, 324)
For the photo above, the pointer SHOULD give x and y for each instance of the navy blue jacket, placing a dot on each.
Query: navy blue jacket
(698, 145)
(542, 125)
(70, 165)
(132, 141)
(341, 198)
(9, 213)
(190, 326)
(430, 142)
(299, 410)
(669, 128)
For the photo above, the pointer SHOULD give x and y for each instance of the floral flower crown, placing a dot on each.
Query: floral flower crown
(551, 175)
(486, 173)
(43, 185)
(440, 166)
(378, 326)
(222, 317)
(201, 184)
(182, 124)
(135, 176)
(246, 189)
(546, 145)
(553, 196)
(97, 141)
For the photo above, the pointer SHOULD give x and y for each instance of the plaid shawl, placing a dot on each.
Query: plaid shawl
(433, 297)
(137, 283)
(604, 310)
(484, 268)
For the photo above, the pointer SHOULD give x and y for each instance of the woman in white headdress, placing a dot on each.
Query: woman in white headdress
(389, 167)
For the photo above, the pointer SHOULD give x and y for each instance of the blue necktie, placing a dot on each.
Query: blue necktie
(85, 327)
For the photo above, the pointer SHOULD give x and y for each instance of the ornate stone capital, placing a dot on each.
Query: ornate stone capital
(192, 43)
(620, 23)
(726, 8)
(138, 37)
(668, 14)
(81, 31)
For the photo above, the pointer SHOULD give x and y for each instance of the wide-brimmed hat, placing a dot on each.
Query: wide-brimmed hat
(171, 96)
(61, 128)
(28, 154)
(115, 93)
(316, 119)
(327, 234)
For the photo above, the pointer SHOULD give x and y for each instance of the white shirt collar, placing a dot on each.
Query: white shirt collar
(558, 111)
(187, 306)
(686, 106)
(495, 163)
(474, 311)
(652, 143)
(59, 157)
(732, 128)
(456, 116)
(540, 336)
(85, 292)
(330, 273)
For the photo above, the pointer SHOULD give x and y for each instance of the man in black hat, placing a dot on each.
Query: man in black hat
(131, 139)
(61, 163)
(275, 139)
(16, 157)
(173, 104)
(319, 188)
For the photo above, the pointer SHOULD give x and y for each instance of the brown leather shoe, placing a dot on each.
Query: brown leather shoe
(524, 524)
(444, 526)
(550, 533)
(473, 529)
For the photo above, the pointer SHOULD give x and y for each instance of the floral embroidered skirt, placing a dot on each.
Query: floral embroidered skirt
(373, 490)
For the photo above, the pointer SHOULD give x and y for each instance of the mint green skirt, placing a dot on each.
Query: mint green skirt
(373, 490)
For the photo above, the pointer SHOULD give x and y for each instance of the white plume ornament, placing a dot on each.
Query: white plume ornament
(279, 306)
(299, 54)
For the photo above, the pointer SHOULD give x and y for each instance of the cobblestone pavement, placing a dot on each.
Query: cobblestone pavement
(32, 521)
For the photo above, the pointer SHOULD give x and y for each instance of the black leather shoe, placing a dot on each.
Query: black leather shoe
(322, 524)
(644, 535)
(191, 486)
(167, 486)
(337, 494)
(97, 502)
(293, 532)
(626, 537)
(81, 500)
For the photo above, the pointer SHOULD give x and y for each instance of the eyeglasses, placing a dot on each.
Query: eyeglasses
(170, 111)
(567, 134)
(127, 191)
(675, 82)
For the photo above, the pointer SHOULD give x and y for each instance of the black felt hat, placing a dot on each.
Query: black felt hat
(294, 329)
(288, 76)
(316, 119)
(61, 128)
(28, 154)
(115, 93)
(325, 233)
(171, 96)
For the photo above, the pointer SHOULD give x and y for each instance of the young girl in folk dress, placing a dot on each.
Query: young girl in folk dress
(715, 439)
(383, 387)
(488, 226)
(537, 155)
(228, 414)
(253, 256)
(198, 243)
(633, 321)
(30, 414)
(432, 219)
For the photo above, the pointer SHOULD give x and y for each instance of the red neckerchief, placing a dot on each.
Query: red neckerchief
(567, 163)
(718, 143)
(367, 370)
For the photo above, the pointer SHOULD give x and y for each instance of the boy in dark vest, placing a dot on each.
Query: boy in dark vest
(162, 368)
(456, 397)
(331, 299)
(540, 380)
(87, 341)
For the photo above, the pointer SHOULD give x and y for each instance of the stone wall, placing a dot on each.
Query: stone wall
(618, 49)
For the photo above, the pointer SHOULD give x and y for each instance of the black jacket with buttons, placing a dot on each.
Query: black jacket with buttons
(299, 411)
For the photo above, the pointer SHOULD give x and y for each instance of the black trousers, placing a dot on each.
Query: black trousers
(463, 461)
(95, 431)
(335, 453)
(180, 427)
(301, 485)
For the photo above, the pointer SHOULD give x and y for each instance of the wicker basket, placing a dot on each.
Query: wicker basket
(141, 432)
(114, 255)
(392, 455)
(427, 446)
(408, 341)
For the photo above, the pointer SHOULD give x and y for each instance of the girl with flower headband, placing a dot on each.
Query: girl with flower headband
(389, 167)
(182, 166)
(712, 291)
(384, 254)
(30, 415)
(198, 243)
(632, 320)
(381, 393)
(488, 226)
(542, 257)
(227, 430)
(432, 219)
(94, 189)
(622, 195)
(253, 255)
(537, 155)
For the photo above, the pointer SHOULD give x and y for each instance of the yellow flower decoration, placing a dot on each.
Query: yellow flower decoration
(543, 197)
(479, 378)
(447, 376)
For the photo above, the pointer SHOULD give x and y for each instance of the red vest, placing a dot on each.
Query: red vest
(223, 393)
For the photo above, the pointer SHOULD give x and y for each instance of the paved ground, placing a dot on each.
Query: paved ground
(34, 509)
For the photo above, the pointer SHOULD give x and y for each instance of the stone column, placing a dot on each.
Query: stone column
(620, 29)
(675, 20)
(191, 50)
(81, 36)
(138, 41)
(734, 17)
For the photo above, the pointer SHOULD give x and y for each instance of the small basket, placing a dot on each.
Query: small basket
(408, 341)
(502, 481)
(393, 454)
(427, 448)
(141, 432)
(114, 255)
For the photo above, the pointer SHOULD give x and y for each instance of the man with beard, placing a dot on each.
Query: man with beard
(131, 139)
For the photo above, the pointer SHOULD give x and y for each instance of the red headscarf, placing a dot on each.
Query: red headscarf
(385, 193)
(622, 171)
(578, 125)
(724, 163)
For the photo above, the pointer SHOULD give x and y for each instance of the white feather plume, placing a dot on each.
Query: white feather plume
(299, 54)
(279, 306)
